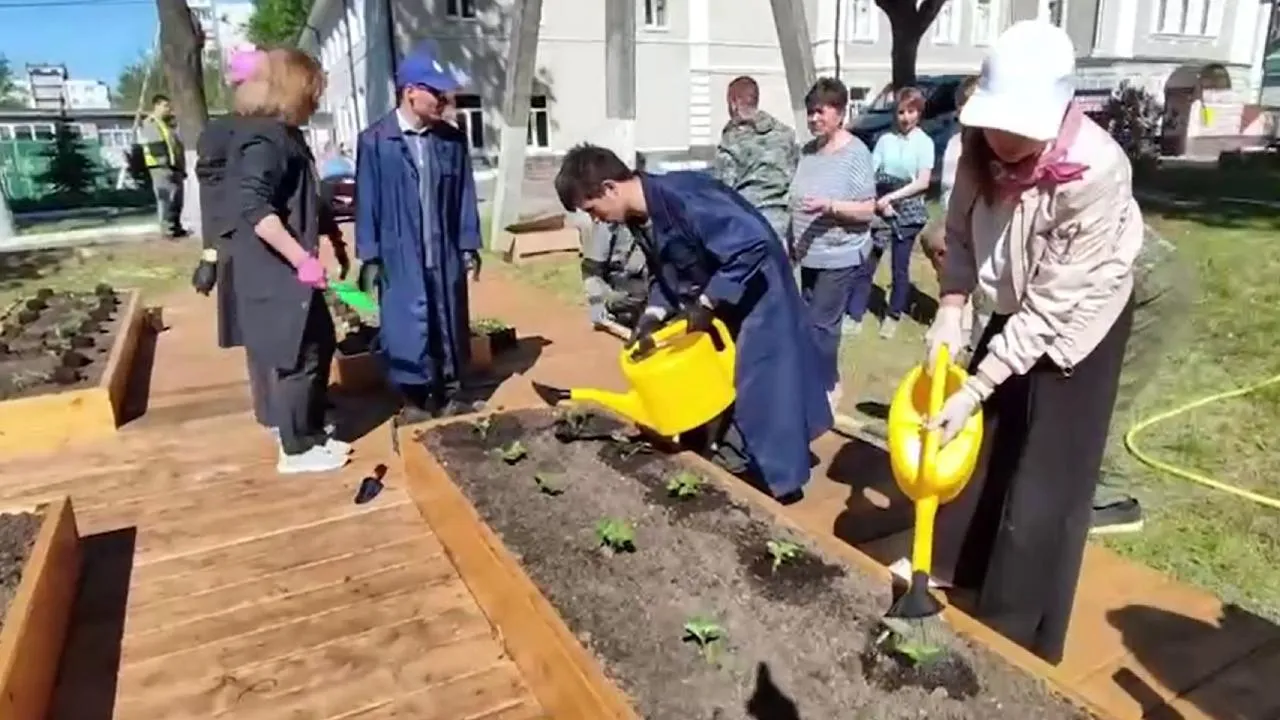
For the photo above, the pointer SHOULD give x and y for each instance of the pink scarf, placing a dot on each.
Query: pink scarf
(1051, 167)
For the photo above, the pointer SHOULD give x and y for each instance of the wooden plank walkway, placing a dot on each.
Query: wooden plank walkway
(215, 588)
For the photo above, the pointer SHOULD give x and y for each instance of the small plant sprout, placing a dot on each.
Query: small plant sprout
(684, 485)
(616, 535)
(482, 425)
(549, 483)
(917, 652)
(706, 634)
(514, 452)
(488, 325)
(782, 551)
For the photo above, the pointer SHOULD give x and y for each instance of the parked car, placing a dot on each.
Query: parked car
(340, 193)
(938, 119)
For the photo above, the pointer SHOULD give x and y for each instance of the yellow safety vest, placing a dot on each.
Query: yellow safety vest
(165, 135)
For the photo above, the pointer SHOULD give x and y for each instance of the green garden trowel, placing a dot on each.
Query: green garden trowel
(350, 294)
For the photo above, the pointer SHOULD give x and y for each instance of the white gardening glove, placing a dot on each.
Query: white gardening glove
(958, 408)
(946, 331)
(599, 315)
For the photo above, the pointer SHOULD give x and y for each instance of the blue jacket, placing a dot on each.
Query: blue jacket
(711, 241)
(418, 304)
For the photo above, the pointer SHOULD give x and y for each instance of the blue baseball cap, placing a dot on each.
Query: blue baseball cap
(421, 67)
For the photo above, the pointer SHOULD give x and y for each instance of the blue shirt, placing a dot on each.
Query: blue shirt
(420, 149)
(903, 156)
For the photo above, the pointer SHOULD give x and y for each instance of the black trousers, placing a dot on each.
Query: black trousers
(1016, 534)
(298, 394)
(261, 376)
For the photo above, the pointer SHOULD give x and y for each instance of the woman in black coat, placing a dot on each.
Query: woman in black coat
(275, 243)
(218, 211)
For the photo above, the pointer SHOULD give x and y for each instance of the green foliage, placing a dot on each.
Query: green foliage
(277, 22)
(706, 633)
(684, 485)
(128, 93)
(514, 452)
(8, 86)
(1133, 117)
(488, 326)
(782, 551)
(550, 483)
(617, 535)
(482, 426)
(71, 171)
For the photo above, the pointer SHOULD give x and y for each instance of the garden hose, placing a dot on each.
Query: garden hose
(1131, 444)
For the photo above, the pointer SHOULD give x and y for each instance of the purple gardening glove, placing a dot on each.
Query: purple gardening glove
(311, 272)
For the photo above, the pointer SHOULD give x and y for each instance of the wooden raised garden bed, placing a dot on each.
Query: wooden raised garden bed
(65, 361)
(39, 569)
(629, 583)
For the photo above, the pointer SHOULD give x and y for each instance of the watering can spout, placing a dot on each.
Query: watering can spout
(627, 405)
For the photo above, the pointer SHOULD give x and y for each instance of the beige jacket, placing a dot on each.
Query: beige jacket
(1072, 249)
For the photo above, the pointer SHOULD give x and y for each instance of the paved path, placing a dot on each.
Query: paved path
(1141, 644)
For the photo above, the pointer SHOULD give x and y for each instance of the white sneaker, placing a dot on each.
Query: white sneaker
(329, 429)
(888, 328)
(337, 447)
(317, 459)
(901, 569)
(850, 327)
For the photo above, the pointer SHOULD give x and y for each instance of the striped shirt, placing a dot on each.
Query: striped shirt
(821, 241)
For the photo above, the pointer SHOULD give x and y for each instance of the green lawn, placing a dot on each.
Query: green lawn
(1208, 538)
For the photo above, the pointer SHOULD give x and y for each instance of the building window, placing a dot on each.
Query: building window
(861, 21)
(1187, 17)
(986, 21)
(6, 132)
(1055, 11)
(539, 135)
(655, 14)
(857, 102)
(470, 116)
(43, 132)
(22, 132)
(946, 26)
(462, 9)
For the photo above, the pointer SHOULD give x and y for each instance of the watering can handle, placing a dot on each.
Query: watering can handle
(646, 344)
(937, 396)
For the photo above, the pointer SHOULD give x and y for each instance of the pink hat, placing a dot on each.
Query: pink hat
(242, 63)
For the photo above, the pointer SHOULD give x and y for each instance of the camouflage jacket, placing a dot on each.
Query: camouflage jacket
(612, 262)
(758, 157)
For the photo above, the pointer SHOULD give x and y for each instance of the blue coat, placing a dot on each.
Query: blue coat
(425, 335)
(710, 241)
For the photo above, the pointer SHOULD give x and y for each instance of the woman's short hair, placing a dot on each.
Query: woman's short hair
(827, 92)
(911, 98)
(965, 89)
(286, 85)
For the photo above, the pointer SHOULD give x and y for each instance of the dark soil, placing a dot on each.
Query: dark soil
(798, 640)
(17, 535)
(57, 341)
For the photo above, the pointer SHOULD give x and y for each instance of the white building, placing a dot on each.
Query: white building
(87, 94)
(688, 51)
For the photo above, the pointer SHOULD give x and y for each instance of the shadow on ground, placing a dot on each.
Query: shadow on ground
(877, 517)
(768, 702)
(1226, 670)
(86, 686)
(516, 361)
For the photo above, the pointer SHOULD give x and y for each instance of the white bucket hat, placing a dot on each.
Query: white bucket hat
(1027, 82)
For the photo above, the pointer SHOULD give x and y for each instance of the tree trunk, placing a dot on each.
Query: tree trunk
(905, 49)
(181, 50)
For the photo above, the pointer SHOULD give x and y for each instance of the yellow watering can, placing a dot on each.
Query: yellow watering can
(928, 474)
(679, 380)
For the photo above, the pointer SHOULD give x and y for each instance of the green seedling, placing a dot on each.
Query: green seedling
(549, 483)
(488, 326)
(514, 452)
(684, 485)
(782, 551)
(617, 535)
(706, 633)
(482, 425)
(917, 652)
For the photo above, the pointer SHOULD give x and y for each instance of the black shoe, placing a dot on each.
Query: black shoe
(1124, 516)
(455, 407)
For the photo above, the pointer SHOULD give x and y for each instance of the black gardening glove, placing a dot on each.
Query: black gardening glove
(370, 272)
(645, 327)
(699, 317)
(473, 263)
(205, 276)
